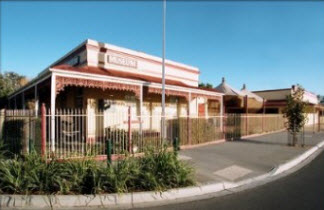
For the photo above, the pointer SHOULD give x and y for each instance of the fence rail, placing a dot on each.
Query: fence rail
(74, 132)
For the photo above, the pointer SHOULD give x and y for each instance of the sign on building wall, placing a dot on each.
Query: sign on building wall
(122, 61)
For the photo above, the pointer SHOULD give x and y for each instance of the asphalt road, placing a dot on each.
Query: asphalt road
(303, 189)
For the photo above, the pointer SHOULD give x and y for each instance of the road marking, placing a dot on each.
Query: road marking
(233, 172)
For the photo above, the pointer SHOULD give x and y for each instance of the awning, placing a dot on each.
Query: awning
(182, 94)
(62, 82)
(169, 92)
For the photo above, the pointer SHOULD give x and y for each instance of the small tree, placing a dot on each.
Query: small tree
(295, 113)
(206, 85)
(9, 82)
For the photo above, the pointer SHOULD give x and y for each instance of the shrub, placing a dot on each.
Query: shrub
(157, 170)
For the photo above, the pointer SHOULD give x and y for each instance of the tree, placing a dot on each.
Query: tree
(295, 113)
(9, 82)
(207, 85)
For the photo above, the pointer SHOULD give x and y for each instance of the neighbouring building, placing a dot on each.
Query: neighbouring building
(276, 101)
(240, 101)
(99, 76)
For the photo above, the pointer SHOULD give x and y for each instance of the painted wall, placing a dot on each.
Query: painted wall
(126, 60)
(274, 95)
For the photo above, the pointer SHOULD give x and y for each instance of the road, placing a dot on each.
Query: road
(303, 189)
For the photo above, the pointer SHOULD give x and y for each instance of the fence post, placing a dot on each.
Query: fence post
(176, 147)
(314, 114)
(25, 134)
(43, 132)
(189, 129)
(108, 148)
(2, 121)
(319, 121)
(129, 130)
(224, 124)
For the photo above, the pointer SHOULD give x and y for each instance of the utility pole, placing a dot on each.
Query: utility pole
(163, 72)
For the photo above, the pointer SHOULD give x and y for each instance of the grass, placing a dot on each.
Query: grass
(155, 171)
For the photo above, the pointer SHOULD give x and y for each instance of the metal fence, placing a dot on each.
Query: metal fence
(76, 133)
(20, 130)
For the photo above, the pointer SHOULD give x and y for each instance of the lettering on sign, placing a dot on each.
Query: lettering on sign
(122, 61)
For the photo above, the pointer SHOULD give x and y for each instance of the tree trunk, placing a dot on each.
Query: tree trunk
(294, 139)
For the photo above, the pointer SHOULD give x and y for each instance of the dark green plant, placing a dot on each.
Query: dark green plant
(31, 174)
(295, 113)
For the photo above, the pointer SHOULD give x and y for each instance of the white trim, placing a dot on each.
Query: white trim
(53, 96)
(189, 101)
(141, 108)
(63, 57)
(60, 72)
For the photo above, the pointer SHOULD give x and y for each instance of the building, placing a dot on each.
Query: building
(240, 101)
(99, 76)
(276, 101)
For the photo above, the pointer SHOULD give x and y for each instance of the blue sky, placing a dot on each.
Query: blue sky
(263, 44)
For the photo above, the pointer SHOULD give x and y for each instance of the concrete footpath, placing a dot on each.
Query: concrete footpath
(221, 169)
(250, 157)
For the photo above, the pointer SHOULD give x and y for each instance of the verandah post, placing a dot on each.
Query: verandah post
(189, 120)
(43, 130)
(129, 130)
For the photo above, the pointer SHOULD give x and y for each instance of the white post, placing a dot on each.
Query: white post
(141, 108)
(163, 74)
(189, 100)
(36, 101)
(53, 96)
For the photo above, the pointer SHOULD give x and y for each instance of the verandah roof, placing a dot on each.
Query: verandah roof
(62, 82)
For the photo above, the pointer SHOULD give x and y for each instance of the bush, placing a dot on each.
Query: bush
(157, 171)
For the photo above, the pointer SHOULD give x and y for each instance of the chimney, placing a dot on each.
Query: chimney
(223, 80)
(244, 87)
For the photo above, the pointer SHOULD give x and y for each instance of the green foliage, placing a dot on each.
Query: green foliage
(9, 82)
(31, 174)
(295, 112)
(205, 85)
